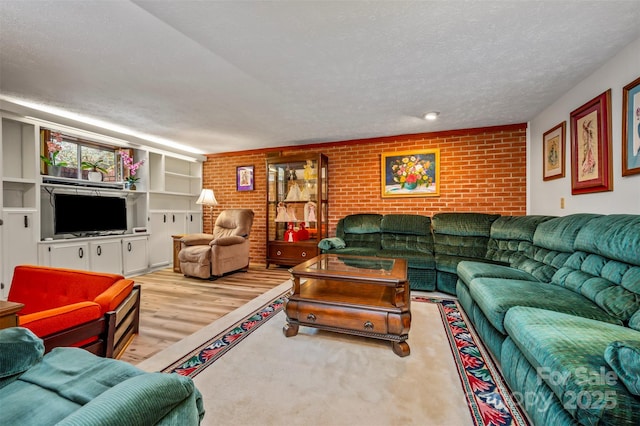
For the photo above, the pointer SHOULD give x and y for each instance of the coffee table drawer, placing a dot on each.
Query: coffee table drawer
(340, 317)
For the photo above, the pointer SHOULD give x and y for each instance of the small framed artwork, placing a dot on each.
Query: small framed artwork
(553, 157)
(631, 128)
(244, 178)
(591, 169)
(411, 173)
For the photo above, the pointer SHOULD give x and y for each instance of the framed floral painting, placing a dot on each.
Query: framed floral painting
(631, 128)
(411, 173)
(244, 178)
(591, 169)
(553, 144)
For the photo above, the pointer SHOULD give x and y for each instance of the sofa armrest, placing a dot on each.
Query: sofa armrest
(47, 322)
(111, 298)
(196, 239)
(228, 241)
(141, 400)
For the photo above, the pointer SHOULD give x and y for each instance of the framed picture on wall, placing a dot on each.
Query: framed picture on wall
(553, 156)
(411, 173)
(591, 169)
(631, 128)
(244, 178)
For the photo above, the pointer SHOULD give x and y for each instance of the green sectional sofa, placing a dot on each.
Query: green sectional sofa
(70, 386)
(556, 300)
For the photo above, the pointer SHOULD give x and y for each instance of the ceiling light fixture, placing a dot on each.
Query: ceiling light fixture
(431, 115)
(98, 123)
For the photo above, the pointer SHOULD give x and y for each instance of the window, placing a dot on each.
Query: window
(75, 157)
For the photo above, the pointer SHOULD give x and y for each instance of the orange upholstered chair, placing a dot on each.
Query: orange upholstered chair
(68, 307)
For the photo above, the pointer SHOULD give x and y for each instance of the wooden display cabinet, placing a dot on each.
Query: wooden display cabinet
(297, 207)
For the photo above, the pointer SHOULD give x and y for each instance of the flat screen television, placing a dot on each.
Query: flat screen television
(88, 214)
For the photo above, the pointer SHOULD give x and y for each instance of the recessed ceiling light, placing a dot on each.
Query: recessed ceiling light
(431, 115)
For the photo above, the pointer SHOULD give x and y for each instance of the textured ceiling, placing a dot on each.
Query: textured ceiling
(235, 75)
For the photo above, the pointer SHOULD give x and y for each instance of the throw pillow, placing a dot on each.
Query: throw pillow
(329, 243)
(20, 349)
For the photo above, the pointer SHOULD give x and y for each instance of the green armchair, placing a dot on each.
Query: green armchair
(70, 386)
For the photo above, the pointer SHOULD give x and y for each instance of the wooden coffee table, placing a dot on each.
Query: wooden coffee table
(358, 295)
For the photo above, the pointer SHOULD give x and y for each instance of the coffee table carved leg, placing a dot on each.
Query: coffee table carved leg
(401, 348)
(290, 330)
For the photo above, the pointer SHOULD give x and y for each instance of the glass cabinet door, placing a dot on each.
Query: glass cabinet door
(297, 206)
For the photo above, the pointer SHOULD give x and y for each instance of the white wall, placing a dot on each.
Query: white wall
(544, 196)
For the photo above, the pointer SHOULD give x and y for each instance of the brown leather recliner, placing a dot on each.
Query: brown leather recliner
(226, 250)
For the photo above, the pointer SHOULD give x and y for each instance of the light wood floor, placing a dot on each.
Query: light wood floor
(174, 306)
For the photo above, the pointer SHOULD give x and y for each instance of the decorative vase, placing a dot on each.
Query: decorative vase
(54, 171)
(94, 176)
(132, 187)
(410, 185)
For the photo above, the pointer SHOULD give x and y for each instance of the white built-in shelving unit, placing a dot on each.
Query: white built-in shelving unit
(162, 205)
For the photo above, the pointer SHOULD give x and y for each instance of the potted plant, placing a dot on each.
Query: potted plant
(96, 169)
(53, 148)
(127, 161)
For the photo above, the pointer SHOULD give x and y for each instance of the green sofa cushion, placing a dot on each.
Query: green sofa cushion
(560, 233)
(624, 358)
(541, 404)
(20, 349)
(567, 352)
(411, 224)
(496, 296)
(407, 232)
(469, 270)
(78, 375)
(26, 404)
(463, 224)
(363, 223)
(511, 236)
(520, 228)
(540, 262)
(613, 236)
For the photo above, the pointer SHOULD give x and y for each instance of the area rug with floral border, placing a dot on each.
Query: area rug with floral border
(488, 398)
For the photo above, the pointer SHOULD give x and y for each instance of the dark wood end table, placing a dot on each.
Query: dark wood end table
(8, 311)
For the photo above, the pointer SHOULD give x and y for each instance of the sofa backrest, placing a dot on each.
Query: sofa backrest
(462, 234)
(511, 237)
(552, 245)
(360, 230)
(41, 288)
(407, 232)
(605, 266)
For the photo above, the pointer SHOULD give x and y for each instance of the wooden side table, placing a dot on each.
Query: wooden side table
(176, 249)
(8, 311)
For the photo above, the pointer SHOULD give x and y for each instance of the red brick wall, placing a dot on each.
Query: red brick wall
(481, 170)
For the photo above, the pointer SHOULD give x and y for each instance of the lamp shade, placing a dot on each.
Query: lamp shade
(207, 198)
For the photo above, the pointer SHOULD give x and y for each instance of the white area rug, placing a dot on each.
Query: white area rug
(323, 378)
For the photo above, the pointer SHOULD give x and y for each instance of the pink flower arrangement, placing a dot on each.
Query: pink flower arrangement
(128, 163)
(54, 147)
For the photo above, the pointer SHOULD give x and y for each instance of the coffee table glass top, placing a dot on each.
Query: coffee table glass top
(358, 264)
